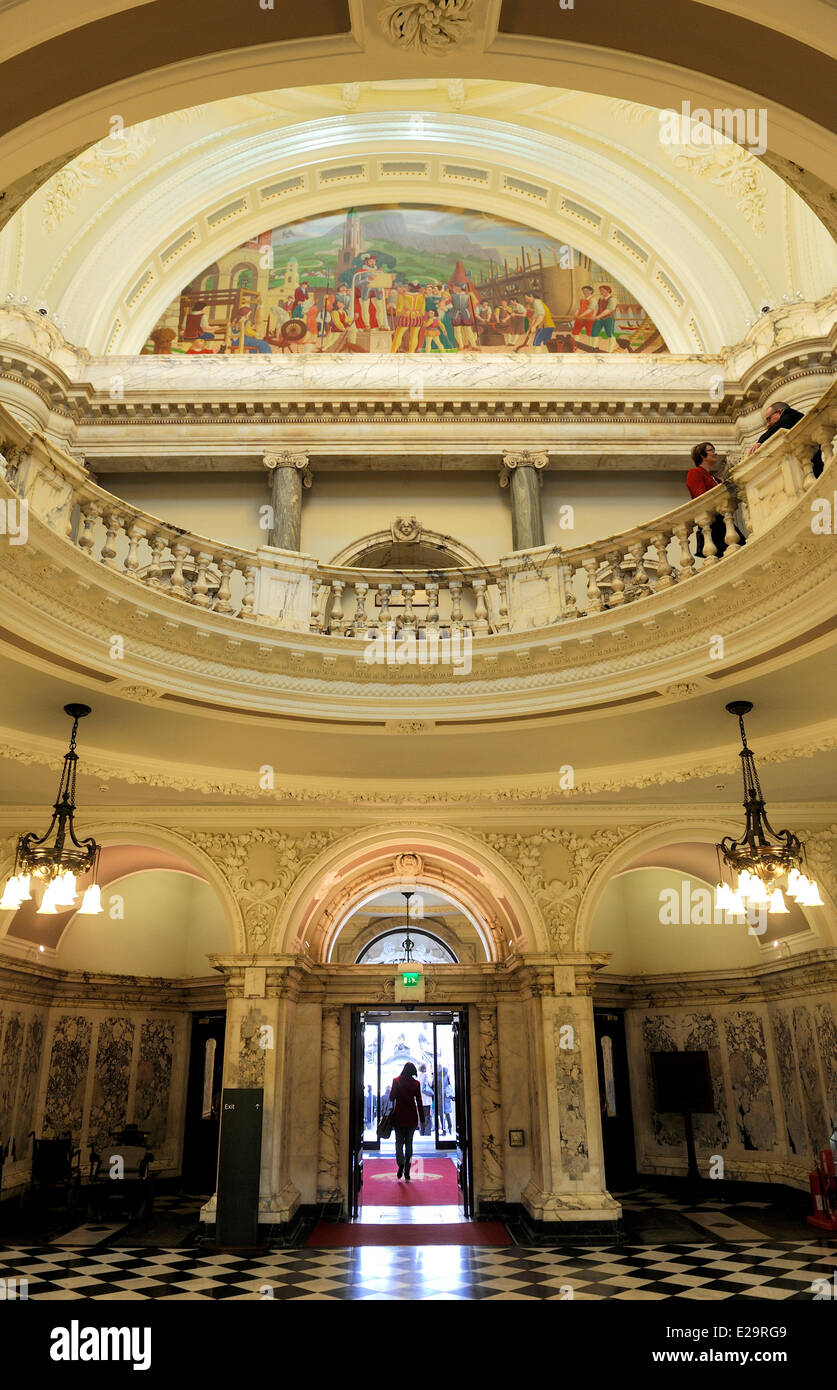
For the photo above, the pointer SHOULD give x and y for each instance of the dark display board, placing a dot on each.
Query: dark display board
(682, 1081)
(239, 1163)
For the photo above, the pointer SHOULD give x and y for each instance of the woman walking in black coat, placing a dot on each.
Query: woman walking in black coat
(405, 1095)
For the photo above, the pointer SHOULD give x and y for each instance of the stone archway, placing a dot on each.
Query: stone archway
(488, 890)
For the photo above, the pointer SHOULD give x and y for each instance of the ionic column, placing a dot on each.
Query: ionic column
(520, 473)
(492, 1187)
(329, 1188)
(290, 471)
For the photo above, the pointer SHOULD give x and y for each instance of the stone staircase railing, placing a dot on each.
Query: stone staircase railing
(524, 590)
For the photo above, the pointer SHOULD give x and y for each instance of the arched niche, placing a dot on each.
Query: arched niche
(429, 550)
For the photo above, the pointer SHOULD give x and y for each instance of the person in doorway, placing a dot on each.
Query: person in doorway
(405, 1094)
(445, 1100)
(701, 478)
(426, 1084)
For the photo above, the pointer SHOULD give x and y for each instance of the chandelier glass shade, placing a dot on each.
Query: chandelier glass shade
(764, 863)
(57, 858)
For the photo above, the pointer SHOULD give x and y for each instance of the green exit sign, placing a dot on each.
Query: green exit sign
(410, 977)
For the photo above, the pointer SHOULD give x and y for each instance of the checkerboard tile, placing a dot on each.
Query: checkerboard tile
(771, 1270)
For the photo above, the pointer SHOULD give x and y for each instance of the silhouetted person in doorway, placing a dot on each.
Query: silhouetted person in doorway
(405, 1094)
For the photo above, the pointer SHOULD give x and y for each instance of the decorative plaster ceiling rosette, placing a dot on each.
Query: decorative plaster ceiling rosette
(429, 25)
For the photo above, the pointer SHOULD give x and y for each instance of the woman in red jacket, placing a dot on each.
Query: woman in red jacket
(405, 1095)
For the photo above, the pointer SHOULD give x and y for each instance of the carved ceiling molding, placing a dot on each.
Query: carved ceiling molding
(529, 790)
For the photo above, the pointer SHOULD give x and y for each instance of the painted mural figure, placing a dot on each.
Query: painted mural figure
(405, 279)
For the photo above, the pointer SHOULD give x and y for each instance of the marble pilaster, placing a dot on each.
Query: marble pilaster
(289, 471)
(329, 1187)
(491, 1184)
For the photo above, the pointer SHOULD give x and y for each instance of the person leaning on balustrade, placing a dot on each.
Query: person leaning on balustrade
(702, 478)
(781, 416)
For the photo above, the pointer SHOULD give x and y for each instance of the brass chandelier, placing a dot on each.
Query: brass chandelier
(765, 860)
(57, 857)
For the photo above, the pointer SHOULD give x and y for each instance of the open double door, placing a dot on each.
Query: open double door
(381, 1041)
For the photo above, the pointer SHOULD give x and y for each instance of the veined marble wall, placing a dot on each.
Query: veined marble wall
(88, 1071)
(774, 1073)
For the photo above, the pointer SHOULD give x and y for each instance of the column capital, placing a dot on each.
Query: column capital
(522, 458)
(289, 458)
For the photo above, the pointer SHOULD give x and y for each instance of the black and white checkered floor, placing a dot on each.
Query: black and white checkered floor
(774, 1271)
(712, 1250)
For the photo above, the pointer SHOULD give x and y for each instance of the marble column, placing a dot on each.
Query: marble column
(491, 1184)
(290, 471)
(521, 474)
(329, 1187)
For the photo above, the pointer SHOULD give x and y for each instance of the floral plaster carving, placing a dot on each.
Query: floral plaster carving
(428, 25)
(105, 160)
(558, 898)
(261, 899)
(731, 168)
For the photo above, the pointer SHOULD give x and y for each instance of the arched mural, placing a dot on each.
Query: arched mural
(409, 278)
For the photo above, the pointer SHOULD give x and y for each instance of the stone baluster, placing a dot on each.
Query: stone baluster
(617, 590)
(154, 573)
(200, 587)
(319, 598)
(431, 588)
(481, 623)
(727, 509)
(408, 618)
(136, 533)
(360, 622)
(503, 620)
(113, 525)
(385, 615)
(682, 534)
(804, 458)
(640, 582)
(337, 619)
(249, 600)
(177, 583)
(665, 569)
(566, 578)
(825, 436)
(222, 598)
(90, 514)
(710, 552)
(590, 564)
(455, 587)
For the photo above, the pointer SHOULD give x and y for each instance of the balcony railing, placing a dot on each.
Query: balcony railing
(524, 590)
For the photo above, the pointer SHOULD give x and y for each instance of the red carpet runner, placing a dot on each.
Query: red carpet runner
(328, 1234)
(432, 1184)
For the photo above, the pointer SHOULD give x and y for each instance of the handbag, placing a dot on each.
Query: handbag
(386, 1124)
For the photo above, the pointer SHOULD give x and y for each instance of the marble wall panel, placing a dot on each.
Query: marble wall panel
(700, 1034)
(68, 1063)
(660, 1034)
(826, 1026)
(10, 1055)
(795, 1130)
(809, 1074)
(251, 1050)
(151, 1103)
(750, 1079)
(572, 1121)
(33, 1049)
(111, 1080)
(305, 1099)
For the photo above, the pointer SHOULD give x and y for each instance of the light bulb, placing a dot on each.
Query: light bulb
(757, 895)
(747, 884)
(11, 894)
(65, 889)
(735, 904)
(808, 894)
(24, 888)
(794, 877)
(49, 904)
(723, 893)
(91, 903)
(777, 902)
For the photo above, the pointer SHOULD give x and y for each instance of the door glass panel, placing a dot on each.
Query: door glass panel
(445, 1086)
(371, 1082)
